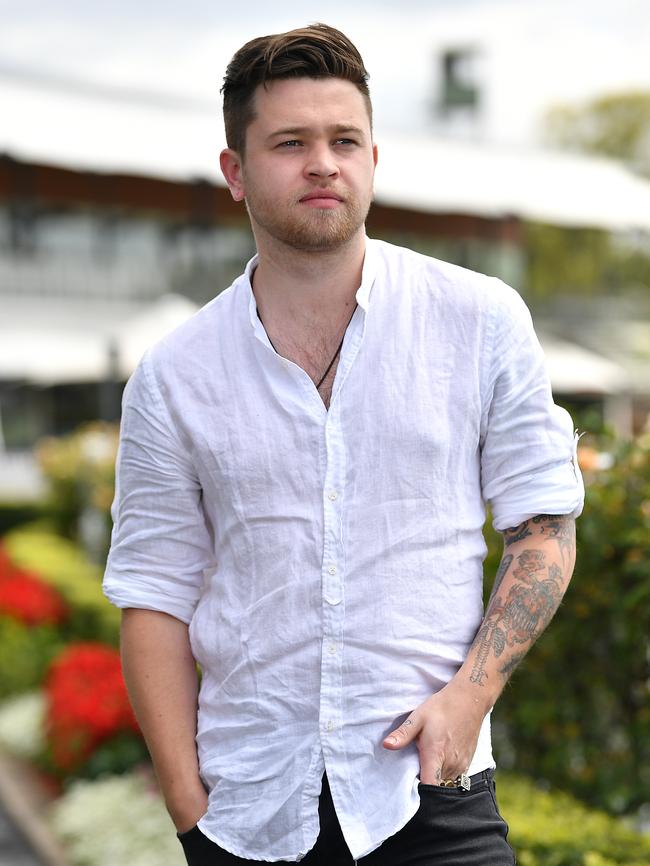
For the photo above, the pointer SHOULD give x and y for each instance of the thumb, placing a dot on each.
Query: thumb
(402, 736)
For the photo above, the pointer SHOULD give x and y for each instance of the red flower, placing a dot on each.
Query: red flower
(87, 702)
(27, 598)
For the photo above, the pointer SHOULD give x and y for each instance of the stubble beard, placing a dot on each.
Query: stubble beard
(315, 230)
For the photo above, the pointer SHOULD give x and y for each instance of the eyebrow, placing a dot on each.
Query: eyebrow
(338, 129)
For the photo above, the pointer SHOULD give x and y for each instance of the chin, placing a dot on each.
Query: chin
(323, 238)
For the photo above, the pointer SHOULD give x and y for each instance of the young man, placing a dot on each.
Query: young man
(301, 485)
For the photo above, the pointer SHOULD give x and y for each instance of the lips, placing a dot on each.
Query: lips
(321, 195)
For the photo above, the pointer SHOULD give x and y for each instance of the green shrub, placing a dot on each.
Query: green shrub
(578, 712)
(119, 754)
(64, 565)
(26, 653)
(554, 829)
(16, 513)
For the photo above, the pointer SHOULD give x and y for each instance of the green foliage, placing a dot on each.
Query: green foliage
(553, 829)
(616, 125)
(588, 261)
(119, 754)
(579, 261)
(15, 513)
(558, 259)
(577, 713)
(26, 654)
(61, 563)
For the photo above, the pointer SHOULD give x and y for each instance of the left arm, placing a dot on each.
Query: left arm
(535, 570)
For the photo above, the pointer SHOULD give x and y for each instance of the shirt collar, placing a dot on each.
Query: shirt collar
(368, 275)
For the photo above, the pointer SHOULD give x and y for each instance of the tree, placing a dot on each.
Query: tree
(615, 125)
(587, 261)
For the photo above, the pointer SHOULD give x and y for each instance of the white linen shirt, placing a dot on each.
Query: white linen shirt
(329, 562)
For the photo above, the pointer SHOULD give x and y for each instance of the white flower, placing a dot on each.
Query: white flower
(21, 724)
(116, 820)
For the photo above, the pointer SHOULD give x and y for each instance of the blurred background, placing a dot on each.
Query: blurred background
(514, 139)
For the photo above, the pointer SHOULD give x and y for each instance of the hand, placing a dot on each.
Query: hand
(446, 729)
(187, 813)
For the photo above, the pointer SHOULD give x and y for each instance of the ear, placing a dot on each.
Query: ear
(375, 155)
(231, 166)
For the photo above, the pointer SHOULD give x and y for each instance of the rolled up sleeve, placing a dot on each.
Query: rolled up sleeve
(161, 544)
(529, 448)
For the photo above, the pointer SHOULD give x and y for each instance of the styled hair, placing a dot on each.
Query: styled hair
(317, 51)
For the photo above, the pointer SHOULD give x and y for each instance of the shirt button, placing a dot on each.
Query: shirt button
(332, 569)
(333, 495)
(332, 648)
(330, 725)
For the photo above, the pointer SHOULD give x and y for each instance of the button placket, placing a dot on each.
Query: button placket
(333, 573)
(333, 562)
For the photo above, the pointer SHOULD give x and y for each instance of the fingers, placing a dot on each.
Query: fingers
(452, 764)
(439, 758)
(405, 734)
(430, 769)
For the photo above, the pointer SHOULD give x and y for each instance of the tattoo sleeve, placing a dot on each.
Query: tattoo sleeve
(529, 585)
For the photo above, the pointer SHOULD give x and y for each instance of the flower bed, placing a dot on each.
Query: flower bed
(66, 710)
(87, 707)
(46, 606)
(62, 565)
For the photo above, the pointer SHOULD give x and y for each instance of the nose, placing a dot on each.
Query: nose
(321, 162)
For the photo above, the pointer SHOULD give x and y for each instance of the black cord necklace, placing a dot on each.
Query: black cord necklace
(336, 354)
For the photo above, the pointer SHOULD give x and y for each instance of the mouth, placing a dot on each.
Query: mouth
(321, 198)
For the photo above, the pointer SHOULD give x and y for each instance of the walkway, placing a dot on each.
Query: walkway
(14, 849)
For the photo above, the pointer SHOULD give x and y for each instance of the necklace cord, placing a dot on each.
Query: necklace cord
(336, 354)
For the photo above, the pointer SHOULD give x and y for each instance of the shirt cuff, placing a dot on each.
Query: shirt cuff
(133, 597)
(557, 490)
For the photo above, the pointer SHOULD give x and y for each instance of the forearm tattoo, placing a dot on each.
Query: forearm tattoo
(521, 615)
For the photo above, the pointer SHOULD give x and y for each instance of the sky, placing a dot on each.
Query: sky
(533, 54)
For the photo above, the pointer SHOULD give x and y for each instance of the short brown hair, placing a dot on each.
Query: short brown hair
(317, 51)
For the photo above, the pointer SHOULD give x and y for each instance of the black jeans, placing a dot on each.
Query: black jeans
(452, 827)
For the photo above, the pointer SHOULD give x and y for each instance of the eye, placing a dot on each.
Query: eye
(293, 142)
(345, 141)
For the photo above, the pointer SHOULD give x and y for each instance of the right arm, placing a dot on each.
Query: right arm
(161, 678)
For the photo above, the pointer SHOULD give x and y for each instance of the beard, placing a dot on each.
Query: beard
(309, 229)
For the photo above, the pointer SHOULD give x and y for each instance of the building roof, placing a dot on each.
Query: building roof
(418, 172)
(564, 189)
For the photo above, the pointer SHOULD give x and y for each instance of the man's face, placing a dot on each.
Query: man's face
(308, 169)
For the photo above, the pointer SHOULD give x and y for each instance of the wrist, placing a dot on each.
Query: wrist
(185, 811)
(478, 700)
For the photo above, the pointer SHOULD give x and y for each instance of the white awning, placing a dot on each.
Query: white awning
(575, 370)
(46, 342)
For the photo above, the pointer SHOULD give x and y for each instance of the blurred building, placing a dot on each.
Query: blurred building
(96, 264)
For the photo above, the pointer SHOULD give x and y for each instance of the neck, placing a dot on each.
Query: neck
(307, 286)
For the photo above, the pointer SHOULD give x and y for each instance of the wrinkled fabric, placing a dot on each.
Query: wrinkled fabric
(329, 563)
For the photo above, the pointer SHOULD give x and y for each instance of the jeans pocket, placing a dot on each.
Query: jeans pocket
(493, 794)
